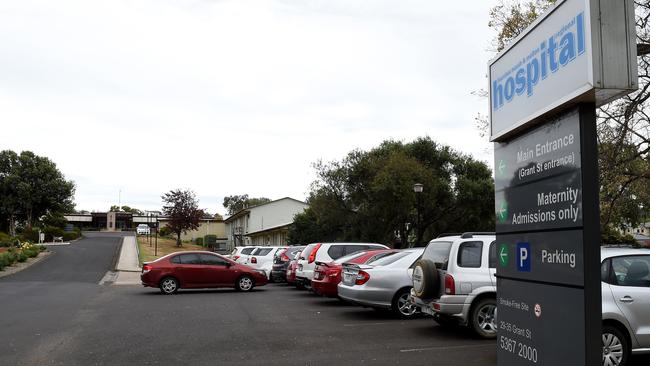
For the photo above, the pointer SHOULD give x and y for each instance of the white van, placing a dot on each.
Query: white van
(143, 229)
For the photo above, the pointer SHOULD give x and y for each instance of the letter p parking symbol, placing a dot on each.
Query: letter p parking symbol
(523, 257)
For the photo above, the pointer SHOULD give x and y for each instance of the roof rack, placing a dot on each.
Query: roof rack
(447, 234)
(470, 234)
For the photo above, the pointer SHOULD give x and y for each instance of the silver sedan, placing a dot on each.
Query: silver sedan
(385, 283)
(625, 275)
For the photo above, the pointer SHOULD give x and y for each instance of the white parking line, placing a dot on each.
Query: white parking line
(365, 324)
(447, 347)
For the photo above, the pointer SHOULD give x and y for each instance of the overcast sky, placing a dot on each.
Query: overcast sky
(233, 96)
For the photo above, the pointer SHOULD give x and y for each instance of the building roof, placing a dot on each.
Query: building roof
(276, 227)
(247, 209)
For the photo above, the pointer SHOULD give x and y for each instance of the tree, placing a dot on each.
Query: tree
(368, 196)
(623, 126)
(182, 208)
(30, 187)
(239, 202)
(131, 210)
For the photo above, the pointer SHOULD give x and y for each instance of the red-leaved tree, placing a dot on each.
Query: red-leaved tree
(182, 208)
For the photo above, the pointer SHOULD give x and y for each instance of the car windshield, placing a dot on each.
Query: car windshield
(388, 259)
(305, 253)
(349, 257)
(438, 253)
(262, 251)
(247, 251)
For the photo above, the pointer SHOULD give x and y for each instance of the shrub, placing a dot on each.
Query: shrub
(4, 237)
(165, 231)
(51, 232)
(611, 236)
(29, 235)
(4, 261)
(41, 248)
(31, 252)
(22, 257)
(70, 236)
(198, 241)
(210, 240)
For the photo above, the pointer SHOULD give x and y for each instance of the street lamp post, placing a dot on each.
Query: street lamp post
(418, 188)
(155, 251)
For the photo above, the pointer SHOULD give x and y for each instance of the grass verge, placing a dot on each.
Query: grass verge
(165, 246)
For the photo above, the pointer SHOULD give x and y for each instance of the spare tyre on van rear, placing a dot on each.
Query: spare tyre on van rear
(426, 280)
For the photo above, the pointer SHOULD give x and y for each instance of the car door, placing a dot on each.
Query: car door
(190, 270)
(631, 290)
(216, 270)
(493, 258)
(470, 259)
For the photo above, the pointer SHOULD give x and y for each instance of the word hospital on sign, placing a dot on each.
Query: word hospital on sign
(541, 62)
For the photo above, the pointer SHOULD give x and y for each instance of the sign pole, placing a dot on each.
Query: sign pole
(591, 233)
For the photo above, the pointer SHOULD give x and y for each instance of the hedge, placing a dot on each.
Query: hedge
(14, 255)
(210, 240)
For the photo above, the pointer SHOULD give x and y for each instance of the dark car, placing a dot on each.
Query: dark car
(281, 263)
(199, 270)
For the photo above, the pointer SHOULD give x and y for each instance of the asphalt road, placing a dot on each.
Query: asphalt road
(55, 313)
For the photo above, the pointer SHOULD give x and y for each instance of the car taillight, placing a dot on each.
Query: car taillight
(362, 277)
(283, 256)
(312, 256)
(253, 260)
(146, 268)
(450, 285)
(235, 257)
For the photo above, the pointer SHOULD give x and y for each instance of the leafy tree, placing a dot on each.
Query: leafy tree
(182, 208)
(30, 187)
(368, 196)
(239, 202)
(132, 210)
(623, 126)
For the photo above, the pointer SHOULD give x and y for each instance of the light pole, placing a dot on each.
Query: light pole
(155, 251)
(418, 188)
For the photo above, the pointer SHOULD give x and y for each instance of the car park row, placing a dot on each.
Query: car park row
(453, 280)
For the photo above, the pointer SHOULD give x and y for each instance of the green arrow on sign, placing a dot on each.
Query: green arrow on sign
(503, 255)
(502, 212)
(502, 166)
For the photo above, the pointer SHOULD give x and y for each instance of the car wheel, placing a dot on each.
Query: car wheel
(401, 306)
(169, 285)
(616, 349)
(244, 283)
(484, 318)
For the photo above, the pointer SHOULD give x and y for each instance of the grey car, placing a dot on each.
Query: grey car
(383, 284)
(625, 276)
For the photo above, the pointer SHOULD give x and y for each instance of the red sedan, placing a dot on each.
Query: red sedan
(291, 272)
(328, 275)
(199, 270)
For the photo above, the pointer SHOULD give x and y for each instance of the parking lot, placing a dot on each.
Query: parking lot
(56, 313)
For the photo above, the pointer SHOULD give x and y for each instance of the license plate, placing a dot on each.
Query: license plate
(317, 276)
(349, 278)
